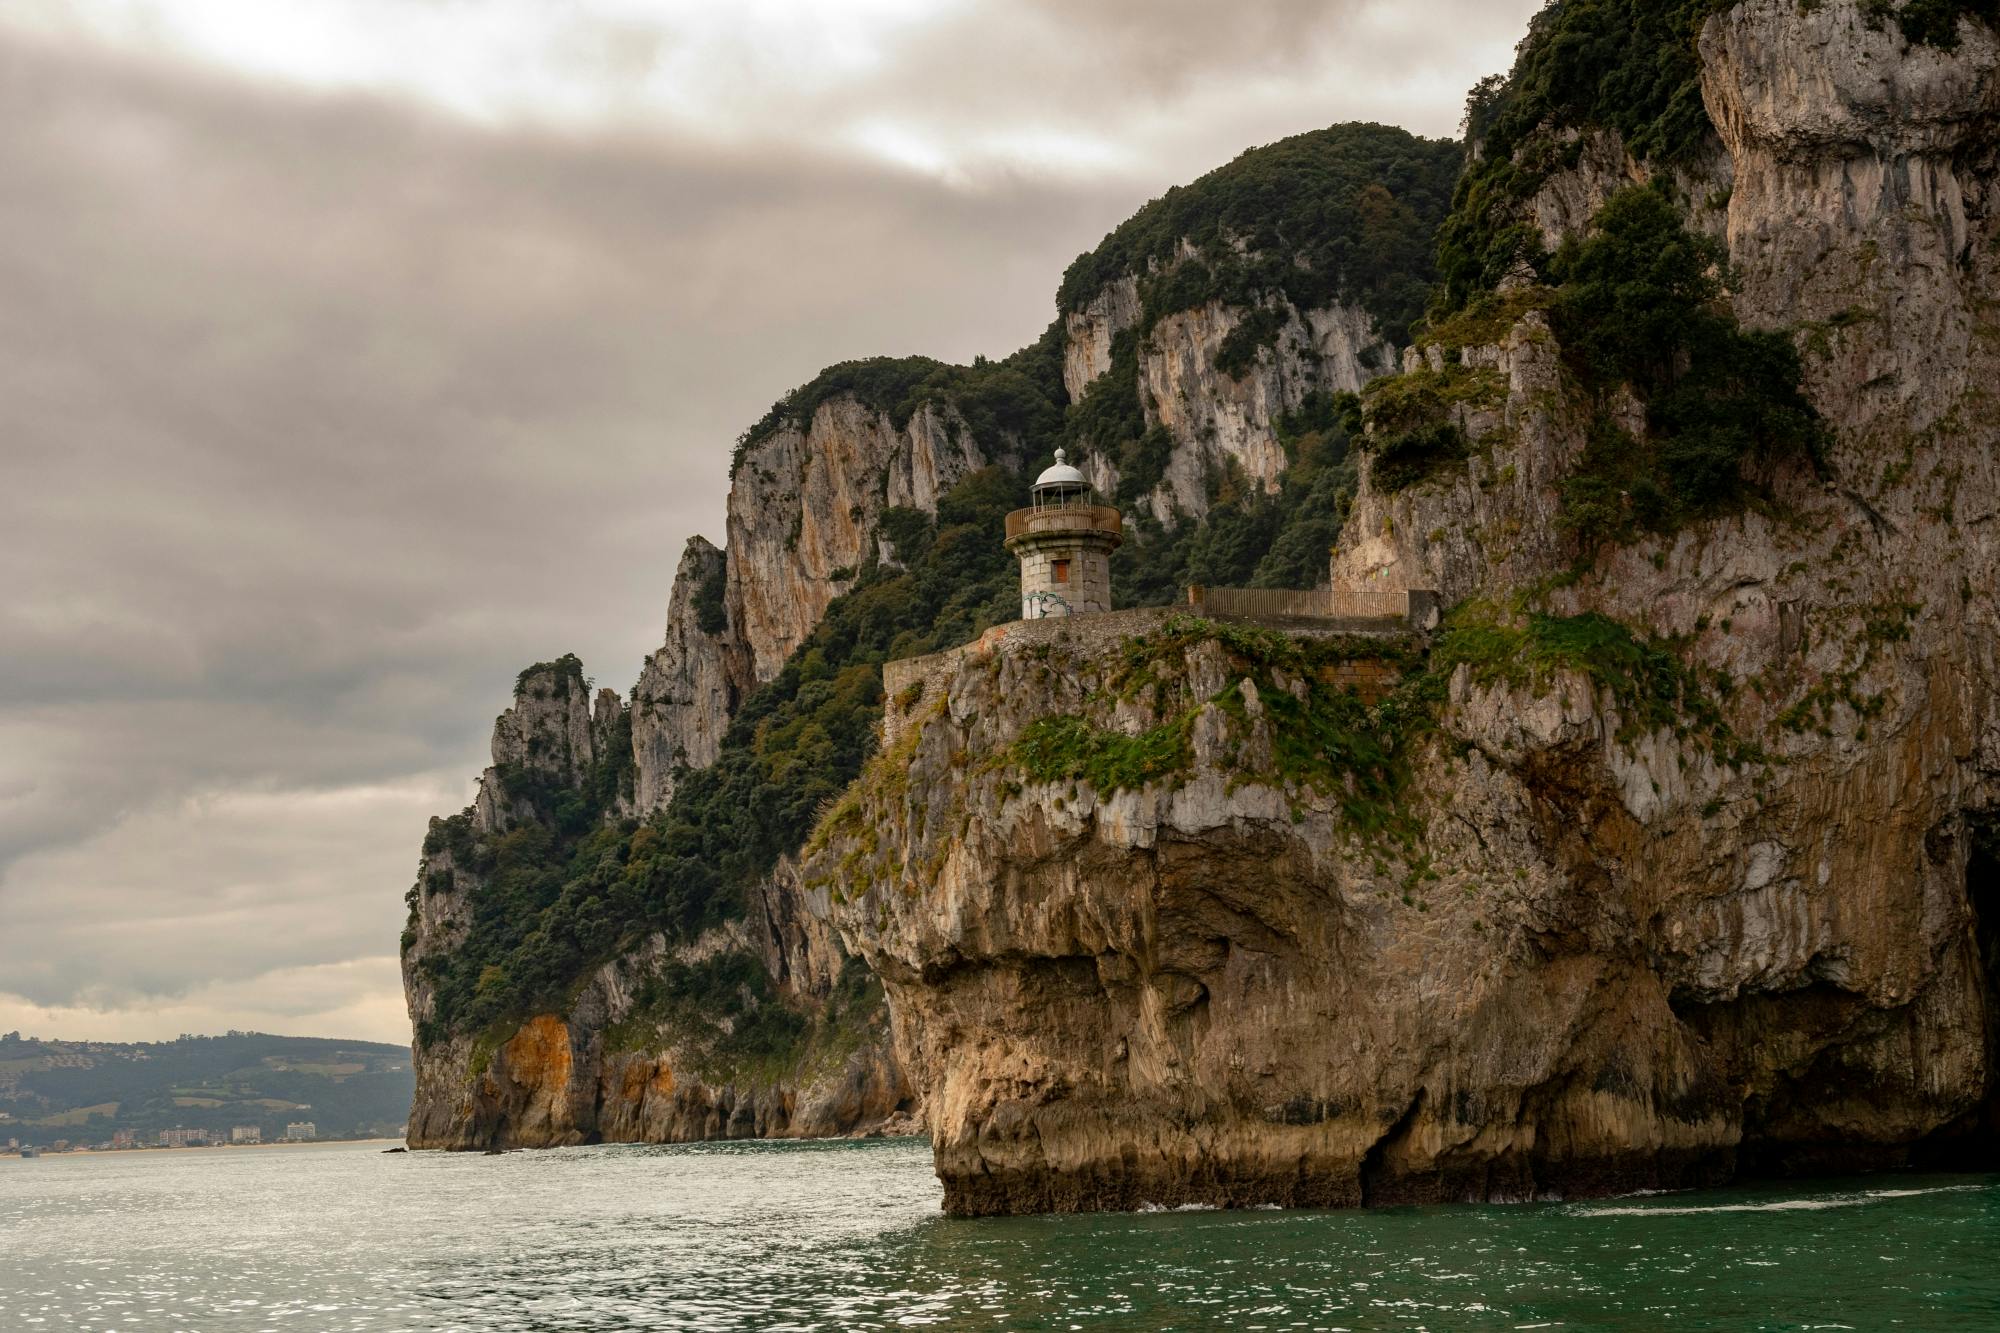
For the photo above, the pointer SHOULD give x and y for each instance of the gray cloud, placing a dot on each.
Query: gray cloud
(321, 414)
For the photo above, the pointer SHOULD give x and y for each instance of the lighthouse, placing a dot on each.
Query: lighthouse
(1064, 543)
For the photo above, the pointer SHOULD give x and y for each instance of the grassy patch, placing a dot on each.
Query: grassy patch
(1329, 741)
(1652, 685)
(1058, 749)
(1488, 318)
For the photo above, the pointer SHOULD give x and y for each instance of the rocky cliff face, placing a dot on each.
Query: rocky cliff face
(642, 1051)
(1600, 943)
(635, 1052)
(684, 697)
(606, 1070)
(552, 734)
(1217, 413)
(1224, 307)
(1669, 856)
(804, 509)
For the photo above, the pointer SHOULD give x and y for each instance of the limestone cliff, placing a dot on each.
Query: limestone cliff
(1670, 857)
(684, 697)
(1218, 317)
(1669, 854)
(804, 508)
(653, 1045)
(1217, 417)
(630, 1005)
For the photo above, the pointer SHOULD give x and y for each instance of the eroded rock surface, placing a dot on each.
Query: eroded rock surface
(1217, 417)
(1610, 953)
(803, 511)
(684, 698)
(635, 1055)
(589, 1075)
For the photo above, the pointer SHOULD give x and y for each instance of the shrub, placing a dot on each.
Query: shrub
(1640, 306)
(1260, 329)
(1414, 422)
(1646, 676)
(1064, 749)
(710, 615)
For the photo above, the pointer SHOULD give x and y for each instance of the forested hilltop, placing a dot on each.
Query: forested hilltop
(85, 1091)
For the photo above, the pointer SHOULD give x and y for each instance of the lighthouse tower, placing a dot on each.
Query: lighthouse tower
(1064, 544)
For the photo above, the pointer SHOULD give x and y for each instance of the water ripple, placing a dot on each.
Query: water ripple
(794, 1238)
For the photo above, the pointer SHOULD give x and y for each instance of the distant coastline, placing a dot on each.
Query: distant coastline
(143, 1150)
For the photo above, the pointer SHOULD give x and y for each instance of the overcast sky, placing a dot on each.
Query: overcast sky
(356, 353)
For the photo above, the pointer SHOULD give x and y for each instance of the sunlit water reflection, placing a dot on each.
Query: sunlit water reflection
(848, 1236)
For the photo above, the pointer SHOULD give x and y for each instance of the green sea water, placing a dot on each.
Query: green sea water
(849, 1236)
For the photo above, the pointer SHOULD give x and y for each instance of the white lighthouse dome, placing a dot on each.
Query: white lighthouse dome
(1062, 474)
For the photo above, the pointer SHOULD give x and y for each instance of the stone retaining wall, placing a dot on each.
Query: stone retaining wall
(1418, 609)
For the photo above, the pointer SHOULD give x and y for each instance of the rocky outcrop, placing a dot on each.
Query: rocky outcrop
(1497, 529)
(1592, 948)
(1087, 333)
(550, 734)
(1220, 419)
(1864, 200)
(1221, 403)
(1601, 958)
(803, 512)
(620, 1063)
(1185, 921)
(1600, 165)
(602, 1073)
(683, 700)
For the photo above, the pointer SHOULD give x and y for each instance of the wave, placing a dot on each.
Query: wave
(1776, 1205)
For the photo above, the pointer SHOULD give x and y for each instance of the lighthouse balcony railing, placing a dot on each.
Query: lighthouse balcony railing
(1067, 518)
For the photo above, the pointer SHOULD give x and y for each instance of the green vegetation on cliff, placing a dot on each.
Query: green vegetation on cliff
(1647, 678)
(731, 1025)
(1325, 736)
(1416, 431)
(575, 885)
(1250, 538)
(1007, 404)
(1934, 22)
(1627, 66)
(1638, 307)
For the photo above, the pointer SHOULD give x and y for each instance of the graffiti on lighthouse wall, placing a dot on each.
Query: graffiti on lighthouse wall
(1043, 605)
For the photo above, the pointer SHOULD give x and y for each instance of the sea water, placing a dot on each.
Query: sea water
(849, 1236)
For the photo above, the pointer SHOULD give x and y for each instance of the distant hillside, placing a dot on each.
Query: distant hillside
(85, 1090)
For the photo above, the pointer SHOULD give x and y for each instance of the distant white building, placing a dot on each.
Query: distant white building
(301, 1129)
(246, 1134)
(183, 1138)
